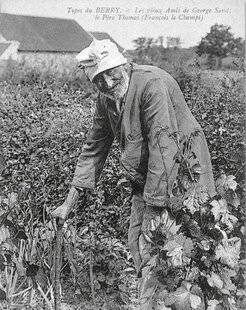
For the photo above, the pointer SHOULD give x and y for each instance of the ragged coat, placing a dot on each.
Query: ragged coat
(153, 112)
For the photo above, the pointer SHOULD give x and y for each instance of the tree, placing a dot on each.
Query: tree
(147, 50)
(143, 45)
(173, 42)
(219, 43)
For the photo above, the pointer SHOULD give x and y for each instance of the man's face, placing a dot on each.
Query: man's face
(113, 83)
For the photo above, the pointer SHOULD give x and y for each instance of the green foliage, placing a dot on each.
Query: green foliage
(219, 108)
(143, 46)
(44, 118)
(198, 241)
(220, 42)
(217, 50)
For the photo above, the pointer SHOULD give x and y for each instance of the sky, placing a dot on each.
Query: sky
(126, 20)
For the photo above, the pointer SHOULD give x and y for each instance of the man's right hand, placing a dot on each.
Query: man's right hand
(62, 211)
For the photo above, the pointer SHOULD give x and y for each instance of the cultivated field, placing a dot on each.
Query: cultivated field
(44, 115)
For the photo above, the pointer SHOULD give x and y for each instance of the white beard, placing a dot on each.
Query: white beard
(121, 89)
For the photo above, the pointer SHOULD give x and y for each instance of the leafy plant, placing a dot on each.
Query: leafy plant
(45, 114)
(197, 240)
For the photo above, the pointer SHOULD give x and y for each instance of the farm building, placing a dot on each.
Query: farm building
(9, 49)
(45, 37)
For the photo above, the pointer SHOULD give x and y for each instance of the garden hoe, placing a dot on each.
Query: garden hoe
(58, 260)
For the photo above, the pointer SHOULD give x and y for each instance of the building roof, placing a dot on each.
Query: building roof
(44, 34)
(3, 47)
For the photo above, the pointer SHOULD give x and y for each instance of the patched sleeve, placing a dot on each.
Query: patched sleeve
(161, 128)
(95, 150)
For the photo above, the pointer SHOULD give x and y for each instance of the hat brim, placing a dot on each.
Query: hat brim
(105, 64)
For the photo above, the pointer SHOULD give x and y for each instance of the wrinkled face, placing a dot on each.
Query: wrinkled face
(113, 83)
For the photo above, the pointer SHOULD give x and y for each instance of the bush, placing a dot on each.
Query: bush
(44, 118)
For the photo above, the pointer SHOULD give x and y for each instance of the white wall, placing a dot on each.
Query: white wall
(11, 51)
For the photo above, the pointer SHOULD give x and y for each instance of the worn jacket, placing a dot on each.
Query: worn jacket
(153, 112)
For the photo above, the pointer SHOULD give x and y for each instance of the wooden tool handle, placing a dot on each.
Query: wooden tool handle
(58, 260)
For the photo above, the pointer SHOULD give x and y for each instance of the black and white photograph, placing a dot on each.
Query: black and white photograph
(122, 155)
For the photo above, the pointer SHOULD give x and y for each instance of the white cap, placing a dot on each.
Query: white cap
(99, 56)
